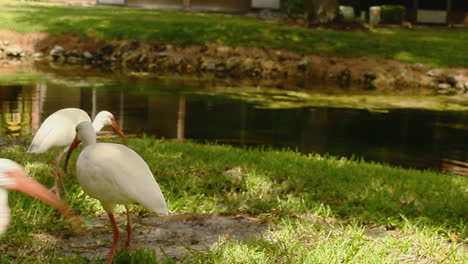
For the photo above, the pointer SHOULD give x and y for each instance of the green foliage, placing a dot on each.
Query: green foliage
(393, 14)
(139, 256)
(295, 6)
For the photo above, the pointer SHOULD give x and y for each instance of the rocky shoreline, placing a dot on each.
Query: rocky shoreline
(277, 68)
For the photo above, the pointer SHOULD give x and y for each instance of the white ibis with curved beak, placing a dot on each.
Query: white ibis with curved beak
(58, 130)
(115, 174)
(13, 176)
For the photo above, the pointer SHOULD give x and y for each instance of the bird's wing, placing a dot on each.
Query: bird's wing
(123, 174)
(57, 130)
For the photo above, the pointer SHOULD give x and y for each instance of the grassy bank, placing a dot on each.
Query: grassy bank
(316, 209)
(435, 46)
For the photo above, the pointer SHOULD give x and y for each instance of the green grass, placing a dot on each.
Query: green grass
(434, 46)
(318, 209)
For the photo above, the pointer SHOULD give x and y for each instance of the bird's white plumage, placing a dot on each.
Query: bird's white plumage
(115, 174)
(58, 130)
(5, 181)
(4, 210)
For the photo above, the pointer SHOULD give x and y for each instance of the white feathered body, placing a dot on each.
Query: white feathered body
(4, 210)
(58, 130)
(5, 182)
(115, 174)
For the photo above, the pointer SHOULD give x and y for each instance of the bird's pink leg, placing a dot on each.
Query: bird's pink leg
(129, 228)
(58, 175)
(115, 239)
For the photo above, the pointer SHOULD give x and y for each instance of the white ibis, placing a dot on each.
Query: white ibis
(115, 174)
(58, 130)
(13, 176)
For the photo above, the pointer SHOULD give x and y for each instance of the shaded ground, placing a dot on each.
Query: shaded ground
(173, 234)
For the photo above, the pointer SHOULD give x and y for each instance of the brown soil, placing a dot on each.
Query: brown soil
(174, 234)
(279, 67)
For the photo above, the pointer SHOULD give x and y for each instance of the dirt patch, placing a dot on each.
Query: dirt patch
(173, 234)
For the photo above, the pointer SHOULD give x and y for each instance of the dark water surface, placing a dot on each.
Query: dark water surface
(408, 138)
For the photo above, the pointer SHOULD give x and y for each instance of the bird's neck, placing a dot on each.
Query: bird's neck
(89, 141)
(88, 136)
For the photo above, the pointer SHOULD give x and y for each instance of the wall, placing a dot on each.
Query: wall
(212, 5)
(170, 4)
(228, 5)
(80, 2)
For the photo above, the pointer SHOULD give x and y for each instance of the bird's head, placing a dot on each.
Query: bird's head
(106, 118)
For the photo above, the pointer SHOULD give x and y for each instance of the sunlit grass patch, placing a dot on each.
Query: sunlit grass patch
(434, 46)
(305, 241)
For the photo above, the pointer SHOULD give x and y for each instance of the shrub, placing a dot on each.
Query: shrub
(392, 14)
(294, 6)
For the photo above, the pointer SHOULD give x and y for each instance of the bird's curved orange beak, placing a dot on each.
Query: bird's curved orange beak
(29, 186)
(119, 131)
(73, 146)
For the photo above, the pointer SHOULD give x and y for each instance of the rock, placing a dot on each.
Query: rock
(248, 64)
(403, 74)
(369, 78)
(303, 64)
(268, 65)
(57, 51)
(163, 54)
(220, 67)
(108, 50)
(87, 55)
(232, 63)
(109, 58)
(14, 51)
(431, 73)
(5, 43)
(210, 67)
(178, 60)
(444, 86)
(459, 81)
(38, 54)
(344, 77)
(452, 80)
(74, 60)
(73, 52)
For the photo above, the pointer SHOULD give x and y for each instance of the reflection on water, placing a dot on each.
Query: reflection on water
(409, 138)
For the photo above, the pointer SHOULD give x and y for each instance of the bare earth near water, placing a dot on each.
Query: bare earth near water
(391, 75)
(173, 234)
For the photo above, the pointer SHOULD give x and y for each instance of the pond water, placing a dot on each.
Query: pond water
(165, 109)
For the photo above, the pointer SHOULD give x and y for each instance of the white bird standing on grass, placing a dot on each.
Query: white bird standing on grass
(58, 130)
(115, 174)
(13, 176)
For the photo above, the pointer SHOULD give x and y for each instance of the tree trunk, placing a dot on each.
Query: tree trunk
(322, 11)
(187, 3)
